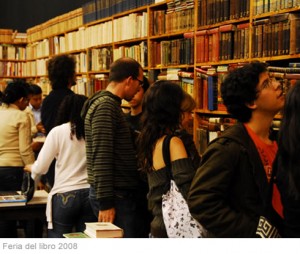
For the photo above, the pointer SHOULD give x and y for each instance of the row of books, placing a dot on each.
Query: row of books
(185, 79)
(287, 76)
(12, 69)
(205, 88)
(274, 36)
(209, 79)
(178, 16)
(139, 52)
(215, 11)
(138, 27)
(277, 35)
(84, 37)
(210, 128)
(87, 37)
(37, 67)
(222, 43)
(12, 52)
(100, 58)
(90, 86)
(172, 52)
(263, 6)
(99, 9)
(57, 25)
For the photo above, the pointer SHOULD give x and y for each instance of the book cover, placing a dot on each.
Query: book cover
(103, 230)
(12, 199)
(76, 235)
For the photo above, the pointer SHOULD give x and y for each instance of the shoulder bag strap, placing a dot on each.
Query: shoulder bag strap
(166, 154)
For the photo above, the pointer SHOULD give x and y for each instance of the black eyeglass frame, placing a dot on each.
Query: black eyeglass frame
(141, 82)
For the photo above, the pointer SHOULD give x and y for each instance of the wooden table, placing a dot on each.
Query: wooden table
(34, 209)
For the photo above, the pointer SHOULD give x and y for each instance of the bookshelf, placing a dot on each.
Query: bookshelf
(203, 39)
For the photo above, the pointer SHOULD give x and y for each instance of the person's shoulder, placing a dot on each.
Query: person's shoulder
(177, 149)
(64, 126)
(176, 141)
(28, 110)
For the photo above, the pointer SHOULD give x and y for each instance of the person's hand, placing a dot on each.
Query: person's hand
(36, 146)
(27, 167)
(107, 215)
(40, 128)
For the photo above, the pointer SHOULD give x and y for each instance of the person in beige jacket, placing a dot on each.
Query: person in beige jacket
(15, 143)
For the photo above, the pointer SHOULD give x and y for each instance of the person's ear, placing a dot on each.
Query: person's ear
(251, 105)
(129, 80)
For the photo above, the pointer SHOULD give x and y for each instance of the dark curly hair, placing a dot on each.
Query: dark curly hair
(240, 88)
(61, 71)
(69, 111)
(14, 91)
(161, 115)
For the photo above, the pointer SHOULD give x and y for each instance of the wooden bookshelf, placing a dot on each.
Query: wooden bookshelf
(162, 36)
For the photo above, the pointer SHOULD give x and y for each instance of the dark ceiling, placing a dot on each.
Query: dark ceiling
(23, 14)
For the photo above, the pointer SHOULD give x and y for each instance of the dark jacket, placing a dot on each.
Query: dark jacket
(51, 105)
(290, 202)
(230, 190)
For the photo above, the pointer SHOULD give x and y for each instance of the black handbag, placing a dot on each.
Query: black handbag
(27, 187)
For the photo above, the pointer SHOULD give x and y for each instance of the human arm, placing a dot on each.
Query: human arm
(46, 155)
(24, 131)
(190, 147)
(34, 129)
(214, 201)
(102, 154)
(182, 168)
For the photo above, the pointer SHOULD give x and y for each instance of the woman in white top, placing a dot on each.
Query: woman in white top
(68, 204)
(15, 143)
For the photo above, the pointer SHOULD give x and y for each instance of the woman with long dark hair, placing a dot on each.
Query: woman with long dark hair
(68, 204)
(161, 117)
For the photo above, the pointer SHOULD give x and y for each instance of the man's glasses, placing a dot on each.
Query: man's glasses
(141, 82)
(273, 83)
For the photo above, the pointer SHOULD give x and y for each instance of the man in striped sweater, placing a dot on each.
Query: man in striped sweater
(111, 157)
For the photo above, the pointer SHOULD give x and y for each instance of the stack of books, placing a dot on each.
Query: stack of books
(103, 230)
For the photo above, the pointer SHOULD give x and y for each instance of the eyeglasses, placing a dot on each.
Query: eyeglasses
(141, 82)
(273, 83)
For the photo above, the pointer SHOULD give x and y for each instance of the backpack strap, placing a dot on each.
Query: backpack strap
(166, 154)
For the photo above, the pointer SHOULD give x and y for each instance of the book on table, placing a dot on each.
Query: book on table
(76, 235)
(12, 198)
(103, 230)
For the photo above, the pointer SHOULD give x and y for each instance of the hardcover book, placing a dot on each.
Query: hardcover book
(103, 230)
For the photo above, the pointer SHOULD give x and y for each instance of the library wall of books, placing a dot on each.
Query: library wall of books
(193, 42)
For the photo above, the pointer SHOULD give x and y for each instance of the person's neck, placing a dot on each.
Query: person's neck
(116, 89)
(260, 125)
